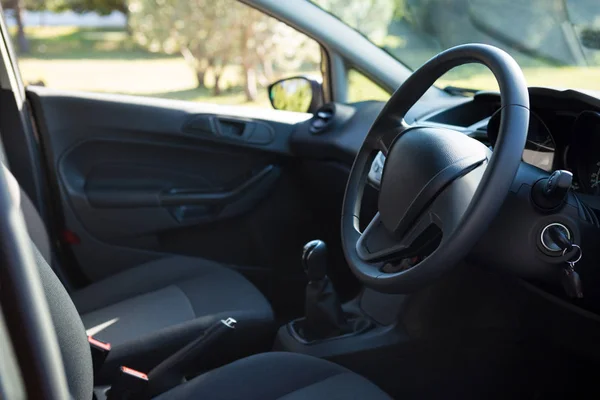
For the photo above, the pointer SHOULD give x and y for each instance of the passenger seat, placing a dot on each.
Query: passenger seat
(151, 310)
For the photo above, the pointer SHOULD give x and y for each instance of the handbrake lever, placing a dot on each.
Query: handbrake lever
(170, 372)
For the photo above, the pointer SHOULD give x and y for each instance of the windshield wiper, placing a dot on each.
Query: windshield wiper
(458, 91)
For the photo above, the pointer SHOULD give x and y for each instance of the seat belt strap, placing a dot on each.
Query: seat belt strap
(100, 351)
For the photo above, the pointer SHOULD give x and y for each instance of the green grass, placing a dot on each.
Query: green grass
(72, 43)
(107, 60)
(361, 88)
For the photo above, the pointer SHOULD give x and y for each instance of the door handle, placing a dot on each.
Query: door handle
(191, 196)
(137, 198)
(228, 128)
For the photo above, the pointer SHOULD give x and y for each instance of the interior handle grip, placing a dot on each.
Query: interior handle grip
(192, 196)
(135, 198)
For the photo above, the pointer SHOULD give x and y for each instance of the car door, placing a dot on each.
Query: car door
(132, 178)
(137, 177)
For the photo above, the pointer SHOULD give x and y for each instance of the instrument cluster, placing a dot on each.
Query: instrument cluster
(578, 151)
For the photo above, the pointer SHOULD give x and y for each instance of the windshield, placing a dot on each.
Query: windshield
(556, 42)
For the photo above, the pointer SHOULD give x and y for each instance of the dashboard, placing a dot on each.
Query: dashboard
(577, 150)
(558, 138)
(582, 155)
(564, 131)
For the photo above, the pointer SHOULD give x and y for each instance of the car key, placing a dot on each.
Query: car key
(561, 239)
(571, 281)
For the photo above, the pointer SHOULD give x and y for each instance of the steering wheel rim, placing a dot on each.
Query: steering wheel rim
(493, 173)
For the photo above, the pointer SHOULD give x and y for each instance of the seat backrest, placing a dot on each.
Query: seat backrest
(74, 347)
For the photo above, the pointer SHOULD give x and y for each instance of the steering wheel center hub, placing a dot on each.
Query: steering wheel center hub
(420, 164)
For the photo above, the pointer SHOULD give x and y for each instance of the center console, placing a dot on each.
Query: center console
(332, 330)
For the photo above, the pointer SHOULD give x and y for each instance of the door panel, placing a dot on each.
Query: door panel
(139, 178)
(158, 186)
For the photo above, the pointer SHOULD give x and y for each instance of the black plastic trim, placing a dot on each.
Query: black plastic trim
(116, 198)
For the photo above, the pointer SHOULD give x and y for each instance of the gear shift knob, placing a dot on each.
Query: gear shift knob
(314, 260)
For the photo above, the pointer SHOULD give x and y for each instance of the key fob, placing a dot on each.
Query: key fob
(572, 283)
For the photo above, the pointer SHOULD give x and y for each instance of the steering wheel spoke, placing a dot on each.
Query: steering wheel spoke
(386, 140)
(449, 207)
(377, 243)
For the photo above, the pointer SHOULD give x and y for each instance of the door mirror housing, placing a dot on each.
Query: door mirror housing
(299, 94)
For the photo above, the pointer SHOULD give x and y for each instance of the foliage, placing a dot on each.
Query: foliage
(590, 38)
(292, 95)
(211, 34)
(361, 88)
(66, 58)
(102, 7)
(400, 9)
(17, 7)
(25, 4)
(370, 17)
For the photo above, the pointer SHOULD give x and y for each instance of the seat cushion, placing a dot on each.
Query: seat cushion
(150, 311)
(286, 376)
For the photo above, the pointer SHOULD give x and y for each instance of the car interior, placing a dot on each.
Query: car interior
(437, 245)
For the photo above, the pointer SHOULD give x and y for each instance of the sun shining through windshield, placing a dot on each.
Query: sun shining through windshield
(556, 42)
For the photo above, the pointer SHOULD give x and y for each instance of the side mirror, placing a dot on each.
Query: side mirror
(299, 94)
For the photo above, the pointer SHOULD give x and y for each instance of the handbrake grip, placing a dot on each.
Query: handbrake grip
(170, 372)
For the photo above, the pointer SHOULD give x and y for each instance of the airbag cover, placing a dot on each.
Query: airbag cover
(420, 164)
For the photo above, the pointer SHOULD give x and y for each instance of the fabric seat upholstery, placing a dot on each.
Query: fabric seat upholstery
(188, 285)
(282, 376)
(150, 311)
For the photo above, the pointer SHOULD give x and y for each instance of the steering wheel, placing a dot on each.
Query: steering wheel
(440, 188)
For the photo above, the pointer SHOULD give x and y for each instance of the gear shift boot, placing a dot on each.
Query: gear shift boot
(324, 315)
(355, 325)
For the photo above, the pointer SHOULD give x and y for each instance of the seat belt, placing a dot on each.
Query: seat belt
(99, 351)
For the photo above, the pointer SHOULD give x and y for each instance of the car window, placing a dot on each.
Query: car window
(361, 88)
(556, 43)
(218, 51)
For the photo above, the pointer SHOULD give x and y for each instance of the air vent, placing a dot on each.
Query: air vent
(322, 119)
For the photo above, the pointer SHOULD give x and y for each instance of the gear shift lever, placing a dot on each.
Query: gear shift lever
(324, 315)
(314, 260)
